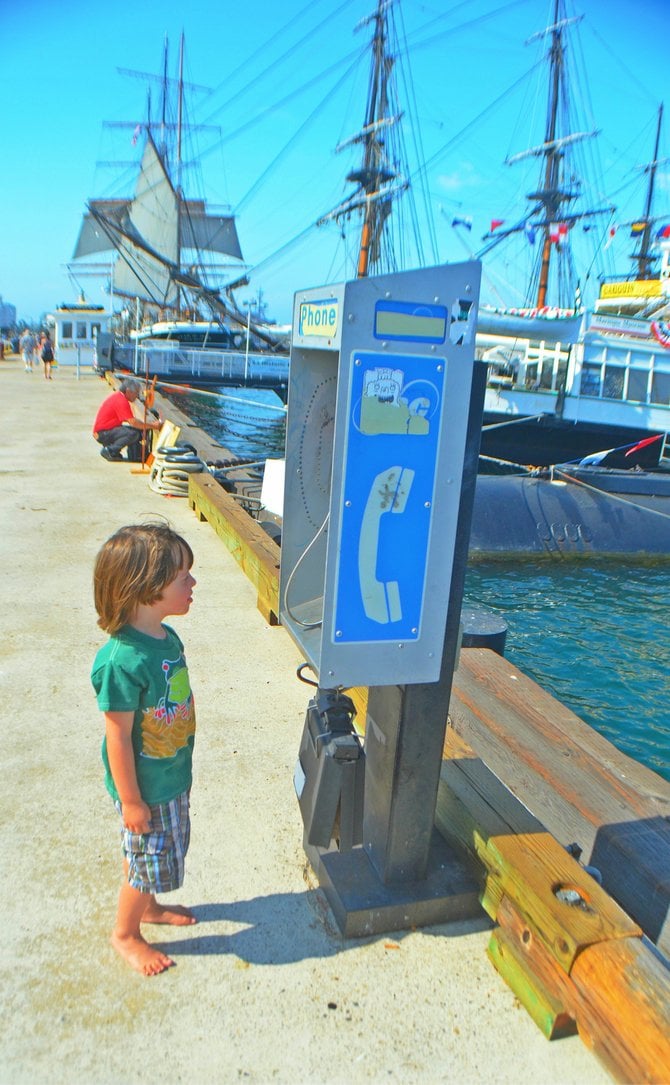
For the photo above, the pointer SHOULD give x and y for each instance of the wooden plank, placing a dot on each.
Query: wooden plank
(525, 864)
(255, 552)
(537, 981)
(627, 990)
(564, 962)
(588, 792)
(617, 996)
(492, 691)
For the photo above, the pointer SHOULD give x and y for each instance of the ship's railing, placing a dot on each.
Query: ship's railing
(226, 365)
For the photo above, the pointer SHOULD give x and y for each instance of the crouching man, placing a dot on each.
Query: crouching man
(116, 427)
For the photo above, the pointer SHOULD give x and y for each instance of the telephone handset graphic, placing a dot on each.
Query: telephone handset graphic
(388, 493)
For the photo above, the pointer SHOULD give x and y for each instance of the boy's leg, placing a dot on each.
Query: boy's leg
(172, 823)
(126, 937)
(157, 861)
(177, 915)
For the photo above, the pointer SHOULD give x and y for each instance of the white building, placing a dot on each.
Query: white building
(76, 329)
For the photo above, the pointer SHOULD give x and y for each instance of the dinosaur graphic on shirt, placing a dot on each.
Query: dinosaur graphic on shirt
(167, 727)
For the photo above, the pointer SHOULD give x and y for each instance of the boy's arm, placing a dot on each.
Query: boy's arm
(118, 729)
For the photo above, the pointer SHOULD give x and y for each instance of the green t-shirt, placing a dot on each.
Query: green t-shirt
(138, 673)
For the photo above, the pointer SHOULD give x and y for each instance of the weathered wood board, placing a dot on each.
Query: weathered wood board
(254, 550)
(584, 790)
(573, 958)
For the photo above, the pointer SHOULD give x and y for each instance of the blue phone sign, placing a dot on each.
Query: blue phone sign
(395, 413)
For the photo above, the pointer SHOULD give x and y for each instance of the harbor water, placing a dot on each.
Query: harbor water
(594, 634)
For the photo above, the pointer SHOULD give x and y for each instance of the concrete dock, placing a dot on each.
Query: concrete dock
(264, 989)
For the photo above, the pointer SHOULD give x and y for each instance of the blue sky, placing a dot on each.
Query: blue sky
(266, 69)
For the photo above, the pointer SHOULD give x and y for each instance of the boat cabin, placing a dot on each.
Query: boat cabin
(76, 329)
(197, 334)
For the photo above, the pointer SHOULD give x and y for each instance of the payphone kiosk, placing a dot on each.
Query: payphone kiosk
(380, 404)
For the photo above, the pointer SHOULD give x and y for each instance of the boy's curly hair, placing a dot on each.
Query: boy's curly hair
(133, 567)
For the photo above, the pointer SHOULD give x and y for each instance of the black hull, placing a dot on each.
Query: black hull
(550, 440)
(534, 517)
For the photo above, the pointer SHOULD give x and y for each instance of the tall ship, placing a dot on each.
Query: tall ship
(564, 383)
(176, 263)
(604, 387)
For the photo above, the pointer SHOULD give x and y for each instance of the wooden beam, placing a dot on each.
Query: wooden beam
(586, 791)
(254, 551)
(573, 958)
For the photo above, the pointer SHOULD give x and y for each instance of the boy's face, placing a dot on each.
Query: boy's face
(177, 596)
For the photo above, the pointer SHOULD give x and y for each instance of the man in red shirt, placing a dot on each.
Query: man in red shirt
(116, 426)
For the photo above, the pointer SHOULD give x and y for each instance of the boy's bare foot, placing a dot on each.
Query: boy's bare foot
(174, 914)
(140, 955)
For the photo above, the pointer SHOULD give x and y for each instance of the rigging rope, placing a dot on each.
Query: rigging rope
(605, 493)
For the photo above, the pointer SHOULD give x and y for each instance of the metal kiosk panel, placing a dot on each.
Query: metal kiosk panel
(379, 393)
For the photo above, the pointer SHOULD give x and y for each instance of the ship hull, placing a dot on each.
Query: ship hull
(535, 517)
(548, 440)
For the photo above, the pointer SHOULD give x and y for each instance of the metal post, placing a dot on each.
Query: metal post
(406, 724)
(137, 328)
(111, 298)
(246, 353)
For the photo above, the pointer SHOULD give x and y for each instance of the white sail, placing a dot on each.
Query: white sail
(92, 237)
(152, 232)
(149, 236)
(205, 231)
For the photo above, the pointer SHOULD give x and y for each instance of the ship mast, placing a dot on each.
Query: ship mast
(385, 243)
(374, 172)
(178, 187)
(377, 179)
(643, 257)
(551, 196)
(550, 216)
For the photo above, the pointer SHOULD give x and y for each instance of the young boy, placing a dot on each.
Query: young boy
(143, 574)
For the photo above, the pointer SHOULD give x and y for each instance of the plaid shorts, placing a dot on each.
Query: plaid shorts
(156, 859)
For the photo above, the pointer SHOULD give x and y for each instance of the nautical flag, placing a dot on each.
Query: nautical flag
(467, 222)
(628, 450)
(597, 457)
(663, 231)
(558, 231)
(661, 332)
(138, 129)
(495, 223)
(643, 444)
(530, 233)
(612, 230)
(637, 228)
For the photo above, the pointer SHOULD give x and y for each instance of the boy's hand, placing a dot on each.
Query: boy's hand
(136, 817)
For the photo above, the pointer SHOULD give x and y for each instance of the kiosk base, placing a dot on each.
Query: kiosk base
(363, 905)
